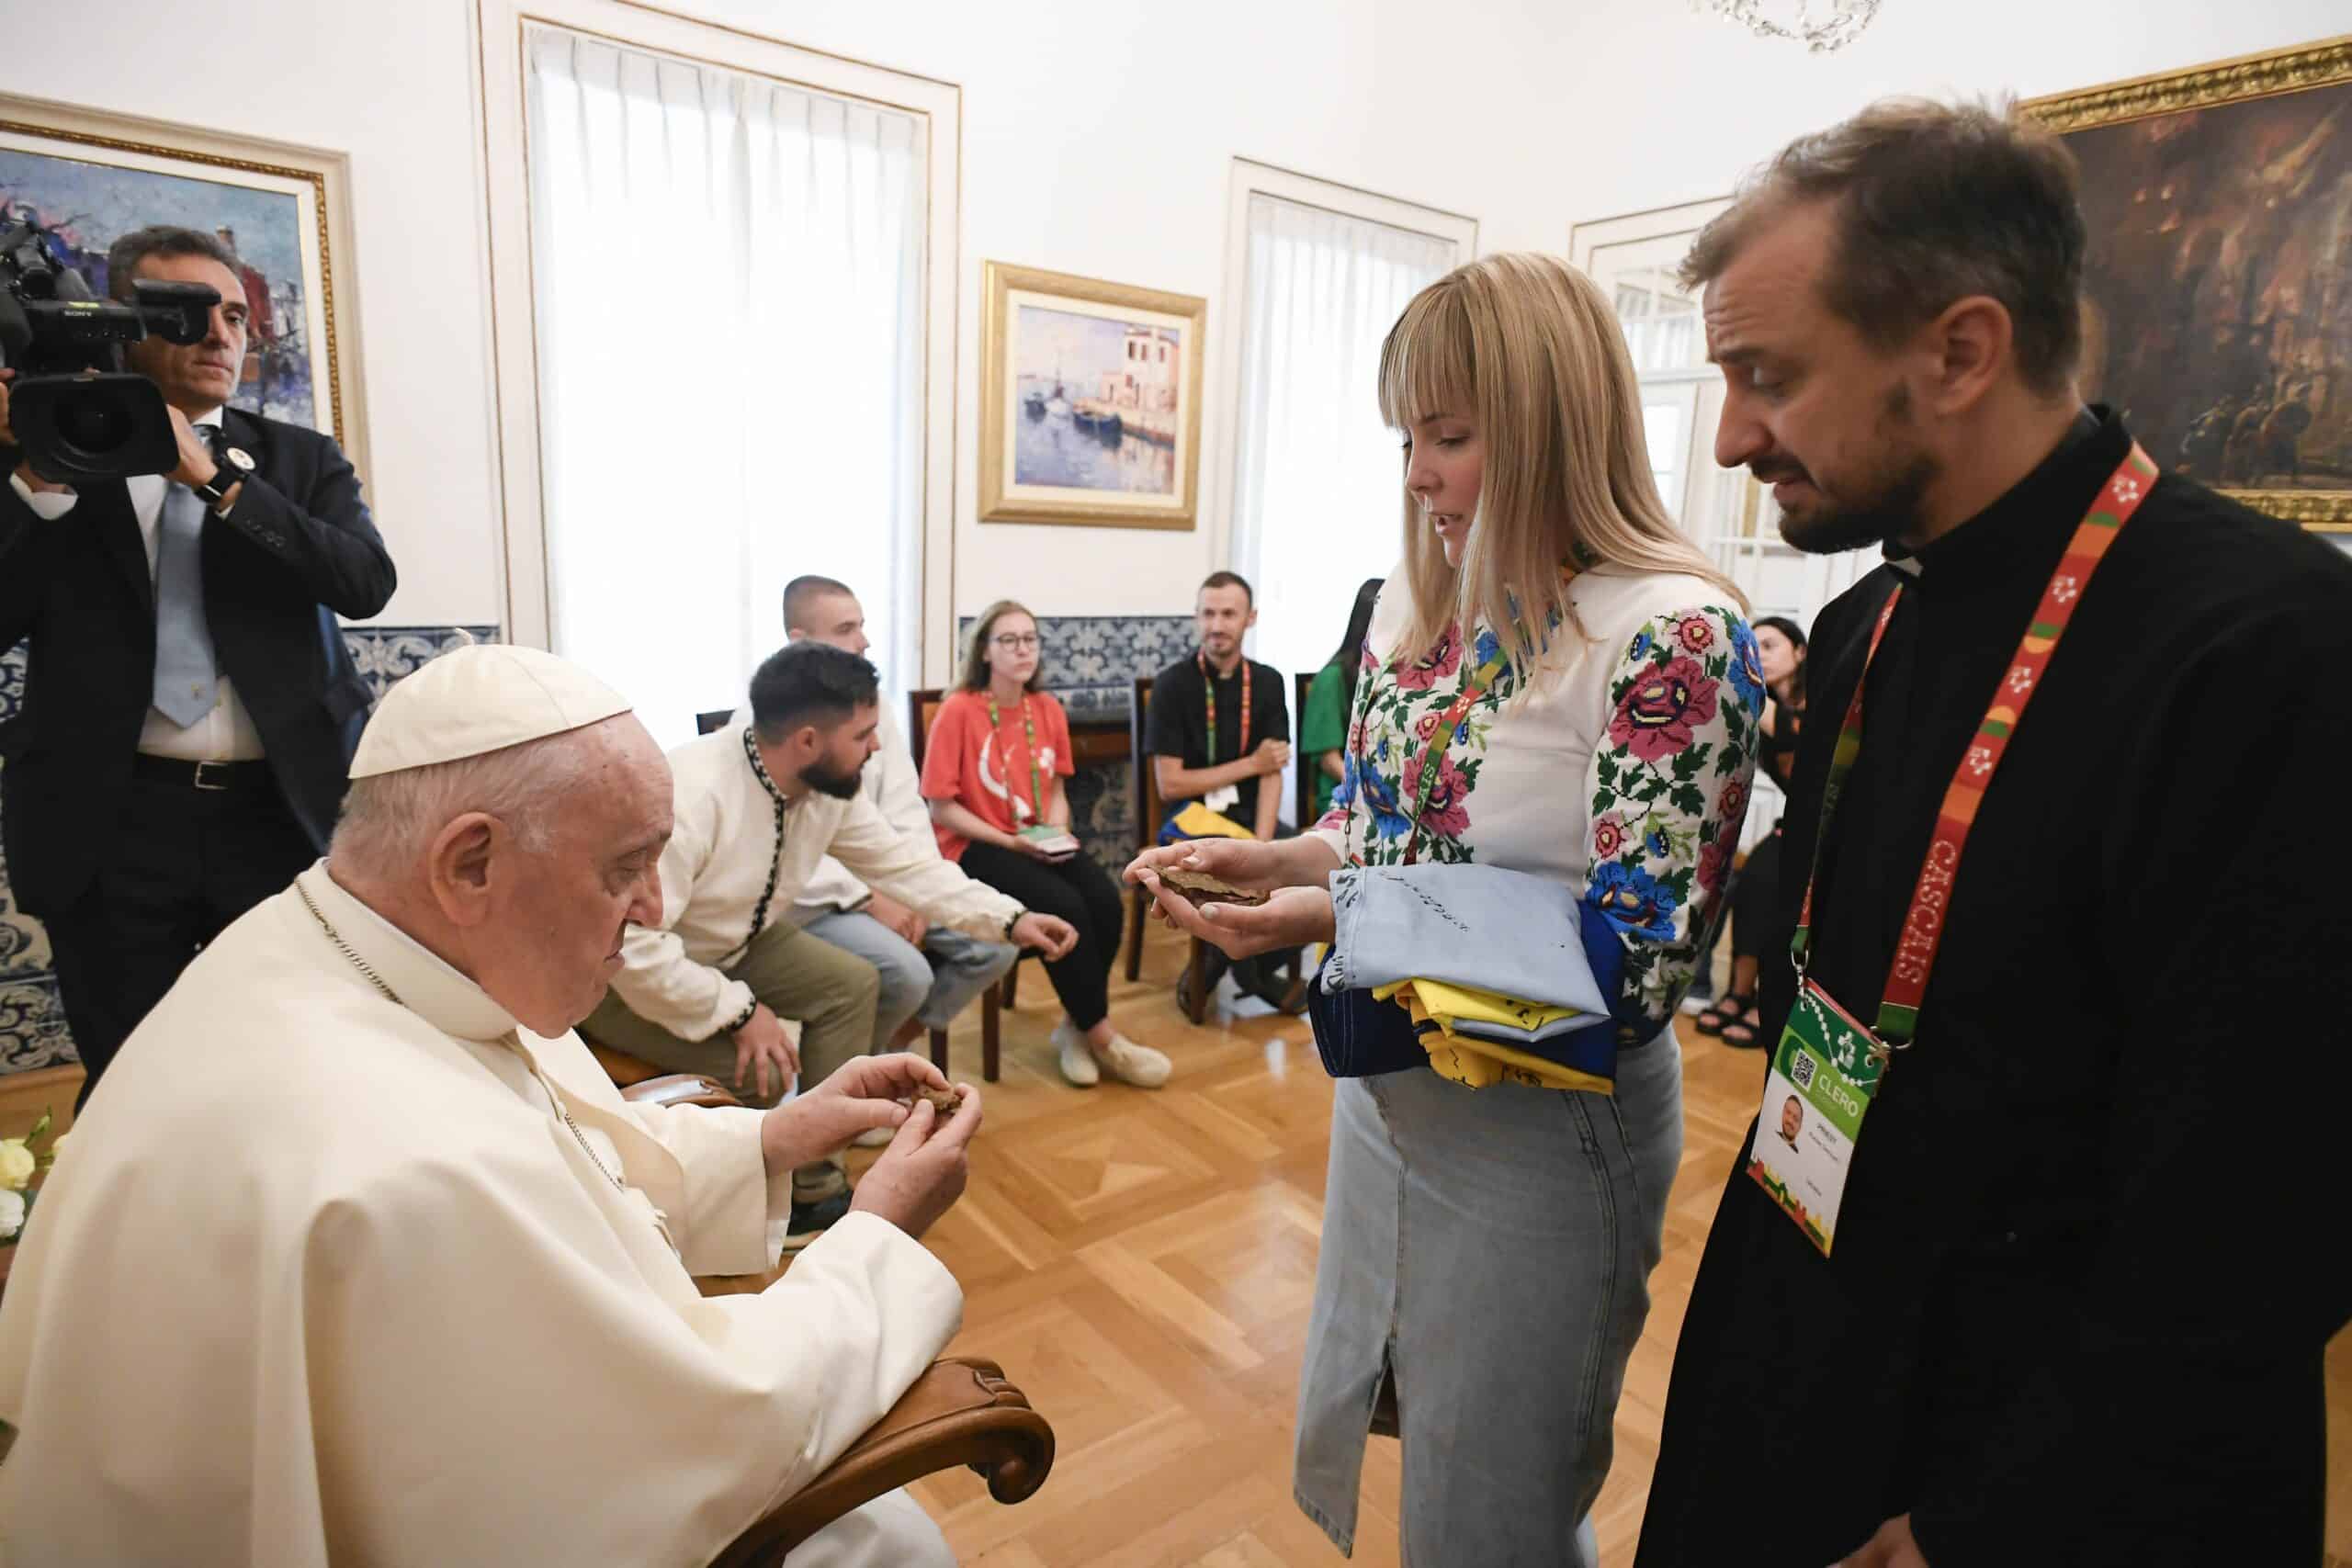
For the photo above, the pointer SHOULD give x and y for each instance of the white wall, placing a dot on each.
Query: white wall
(1097, 135)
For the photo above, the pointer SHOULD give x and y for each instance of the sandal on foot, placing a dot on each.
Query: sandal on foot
(1732, 1009)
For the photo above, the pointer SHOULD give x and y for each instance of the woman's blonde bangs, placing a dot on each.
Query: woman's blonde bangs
(1426, 364)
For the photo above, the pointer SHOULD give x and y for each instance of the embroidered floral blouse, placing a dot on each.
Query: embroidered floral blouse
(1627, 773)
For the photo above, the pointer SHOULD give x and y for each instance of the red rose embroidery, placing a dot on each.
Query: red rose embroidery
(1733, 801)
(1712, 862)
(1608, 836)
(1435, 665)
(1696, 633)
(1653, 718)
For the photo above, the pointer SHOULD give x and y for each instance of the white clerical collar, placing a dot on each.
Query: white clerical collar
(423, 982)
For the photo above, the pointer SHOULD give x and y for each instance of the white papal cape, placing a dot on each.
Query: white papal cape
(321, 1278)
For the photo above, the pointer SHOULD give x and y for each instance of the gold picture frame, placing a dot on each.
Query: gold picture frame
(1090, 401)
(2194, 192)
(90, 172)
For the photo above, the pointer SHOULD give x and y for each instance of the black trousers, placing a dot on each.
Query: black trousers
(1763, 923)
(185, 863)
(1078, 891)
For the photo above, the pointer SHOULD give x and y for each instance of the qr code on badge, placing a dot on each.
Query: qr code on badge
(1801, 1071)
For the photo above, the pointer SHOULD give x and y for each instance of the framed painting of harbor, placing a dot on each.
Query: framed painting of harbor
(1090, 401)
(2218, 283)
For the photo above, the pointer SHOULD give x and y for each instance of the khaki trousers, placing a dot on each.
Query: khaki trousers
(831, 995)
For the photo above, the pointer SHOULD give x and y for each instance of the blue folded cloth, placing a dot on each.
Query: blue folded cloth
(1506, 931)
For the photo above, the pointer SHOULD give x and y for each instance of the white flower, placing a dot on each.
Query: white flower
(16, 1164)
(12, 1214)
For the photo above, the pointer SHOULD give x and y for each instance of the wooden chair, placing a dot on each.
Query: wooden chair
(1151, 811)
(961, 1411)
(921, 708)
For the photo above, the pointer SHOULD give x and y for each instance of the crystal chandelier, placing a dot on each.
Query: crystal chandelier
(1840, 23)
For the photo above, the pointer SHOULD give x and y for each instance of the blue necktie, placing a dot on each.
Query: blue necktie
(185, 671)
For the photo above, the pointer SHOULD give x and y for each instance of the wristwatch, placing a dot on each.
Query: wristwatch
(233, 465)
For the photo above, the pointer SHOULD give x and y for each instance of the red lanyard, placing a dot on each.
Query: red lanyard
(1029, 729)
(1208, 688)
(1923, 924)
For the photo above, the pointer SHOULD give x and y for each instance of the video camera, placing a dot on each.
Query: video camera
(76, 414)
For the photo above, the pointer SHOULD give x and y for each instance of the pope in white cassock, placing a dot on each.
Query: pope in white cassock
(356, 1256)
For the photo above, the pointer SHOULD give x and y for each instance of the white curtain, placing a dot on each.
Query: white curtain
(729, 335)
(1318, 496)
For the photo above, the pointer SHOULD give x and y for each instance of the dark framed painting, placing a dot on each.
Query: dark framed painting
(2218, 309)
(90, 176)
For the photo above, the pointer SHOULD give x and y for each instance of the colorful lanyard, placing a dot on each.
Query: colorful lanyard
(1476, 684)
(1208, 689)
(1923, 924)
(1028, 728)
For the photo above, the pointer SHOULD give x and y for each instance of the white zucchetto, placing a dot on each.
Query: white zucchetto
(475, 700)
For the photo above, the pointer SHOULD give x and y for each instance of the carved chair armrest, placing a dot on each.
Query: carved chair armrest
(679, 1089)
(961, 1411)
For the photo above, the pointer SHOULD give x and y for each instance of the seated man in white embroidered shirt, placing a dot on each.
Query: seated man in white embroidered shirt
(359, 1257)
(710, 987)
(929, 972)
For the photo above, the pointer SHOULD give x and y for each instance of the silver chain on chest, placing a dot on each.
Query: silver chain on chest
(392, 995)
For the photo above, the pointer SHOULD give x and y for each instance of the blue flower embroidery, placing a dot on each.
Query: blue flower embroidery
(1746, 668)
(1387, 819)
(1487, 648)
(1641, 649)
(1632, 900)
(1655, 843)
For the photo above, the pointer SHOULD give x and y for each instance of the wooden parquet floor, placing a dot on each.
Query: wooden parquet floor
(1142, 1265)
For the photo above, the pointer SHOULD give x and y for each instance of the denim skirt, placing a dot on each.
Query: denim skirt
(1492, 1247)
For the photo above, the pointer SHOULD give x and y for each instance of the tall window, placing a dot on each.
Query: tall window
(1634, 261)
(1317, 497)
(730, 275)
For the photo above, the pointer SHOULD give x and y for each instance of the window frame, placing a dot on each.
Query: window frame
(505, 174)
(1251, 177)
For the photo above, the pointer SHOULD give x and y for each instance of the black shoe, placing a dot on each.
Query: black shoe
(810, 1221)
(1282, 996)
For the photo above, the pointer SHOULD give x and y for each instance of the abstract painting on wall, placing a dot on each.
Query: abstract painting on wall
(89, 178)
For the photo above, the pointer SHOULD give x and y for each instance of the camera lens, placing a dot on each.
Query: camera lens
(93, 422)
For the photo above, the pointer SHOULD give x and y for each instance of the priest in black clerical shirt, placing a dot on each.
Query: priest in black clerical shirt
(2089, 1247)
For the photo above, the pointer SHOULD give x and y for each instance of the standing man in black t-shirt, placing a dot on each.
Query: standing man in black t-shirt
(1220, 728)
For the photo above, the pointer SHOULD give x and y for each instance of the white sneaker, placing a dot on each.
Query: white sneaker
(1077, 1061)
(1138, 1064)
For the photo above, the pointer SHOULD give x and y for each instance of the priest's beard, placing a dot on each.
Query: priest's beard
(821, 778)
(1870, 506)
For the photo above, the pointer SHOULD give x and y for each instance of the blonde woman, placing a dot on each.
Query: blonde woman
(992, 771)
(1557, 682)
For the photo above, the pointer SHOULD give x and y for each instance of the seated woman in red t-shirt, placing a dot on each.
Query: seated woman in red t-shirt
(998, 753)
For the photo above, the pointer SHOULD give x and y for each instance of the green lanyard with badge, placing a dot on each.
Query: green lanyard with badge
(1829, 1065)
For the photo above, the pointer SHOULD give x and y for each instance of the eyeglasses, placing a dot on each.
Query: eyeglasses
(1016, 641)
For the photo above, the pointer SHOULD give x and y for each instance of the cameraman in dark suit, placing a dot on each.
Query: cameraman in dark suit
(189, 709)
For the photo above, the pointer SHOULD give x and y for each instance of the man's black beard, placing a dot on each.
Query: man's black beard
(819, 777)
(1892, 513)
